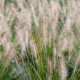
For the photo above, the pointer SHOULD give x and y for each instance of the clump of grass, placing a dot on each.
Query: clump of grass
(39, 40)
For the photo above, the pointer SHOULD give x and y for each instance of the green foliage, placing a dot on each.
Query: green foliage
(49, 50)
(14, 22)
(74, 28)
(5, 72)
(1, 48)
(36, 35)
(63, 3)
(19, 9)
(32, 66)
(10, 1)
(18, 49)
(70, 68)
(36, 67)
(55, 75)
(27, 1)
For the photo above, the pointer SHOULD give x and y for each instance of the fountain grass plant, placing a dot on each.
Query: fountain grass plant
(39, 40)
